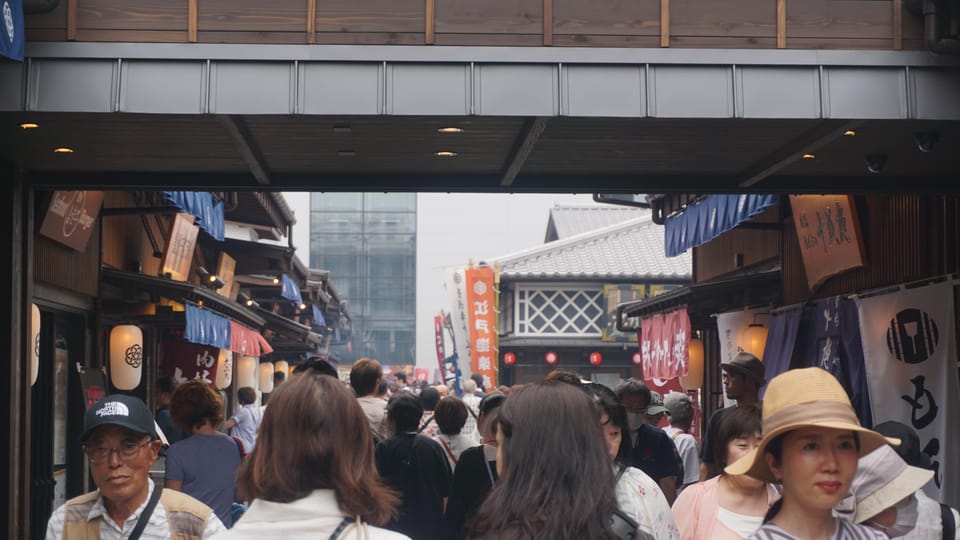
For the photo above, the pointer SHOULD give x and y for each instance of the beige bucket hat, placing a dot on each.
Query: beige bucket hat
(883, 479)
(809, 397)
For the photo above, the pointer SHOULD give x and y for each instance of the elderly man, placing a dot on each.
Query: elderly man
(121, 443)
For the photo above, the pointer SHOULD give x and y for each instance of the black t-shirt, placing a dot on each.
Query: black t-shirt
(415, 466)
(473, 479)
(710, 436)
(655, 454)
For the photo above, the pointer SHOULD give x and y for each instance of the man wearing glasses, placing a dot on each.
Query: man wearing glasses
(121, 443)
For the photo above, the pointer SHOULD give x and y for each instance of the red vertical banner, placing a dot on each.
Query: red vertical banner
(438, 333)
(663, 344)
(481, 306)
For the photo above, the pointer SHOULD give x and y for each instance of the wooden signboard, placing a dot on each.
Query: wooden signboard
(71, 216)
(829, 234)
(226, 267)
(179, 251)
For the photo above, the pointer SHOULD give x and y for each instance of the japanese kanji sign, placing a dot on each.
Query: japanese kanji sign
(663, 344)
(829, 234)
(481, 304)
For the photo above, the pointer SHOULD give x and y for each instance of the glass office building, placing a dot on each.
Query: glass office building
(368, 242)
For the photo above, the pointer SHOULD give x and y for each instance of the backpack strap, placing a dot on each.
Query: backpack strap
(453, 457)
(425, 424)
(949, 525)
(145, 515)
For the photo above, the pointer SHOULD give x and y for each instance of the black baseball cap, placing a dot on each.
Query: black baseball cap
(119, 410)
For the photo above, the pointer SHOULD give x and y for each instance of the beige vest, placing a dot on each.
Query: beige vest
(186, 516)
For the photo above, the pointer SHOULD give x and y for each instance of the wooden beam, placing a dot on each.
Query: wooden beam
(429, 20)
(71, 20)
(781, 24)
(522, 148)
(243, 141)
(192, 16)
(898, 24)
(311, 21)
(664, 23)
(547, 23)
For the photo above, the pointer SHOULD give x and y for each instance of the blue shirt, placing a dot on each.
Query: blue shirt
(207, 466)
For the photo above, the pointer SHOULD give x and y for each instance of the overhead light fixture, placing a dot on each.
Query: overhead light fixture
(346, 153)
(809, 156)
(445, 153)
(342, 129)
(63, 150)
(849, 133)
(29, 125)
(216, 282)
(926, 140)
(876, 162)
(450, 130)
(276, 281)
(202, 272)
(302, 306)
(247, 301)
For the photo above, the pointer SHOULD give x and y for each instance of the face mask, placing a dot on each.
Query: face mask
(907, 514)
(635, 420)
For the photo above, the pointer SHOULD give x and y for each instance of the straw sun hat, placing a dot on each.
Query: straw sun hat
(799, 398)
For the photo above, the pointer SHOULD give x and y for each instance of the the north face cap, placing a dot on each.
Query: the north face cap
(119, 410)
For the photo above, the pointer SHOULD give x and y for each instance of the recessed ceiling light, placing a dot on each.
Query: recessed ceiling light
(450, 130)
(63, 150)
(445, 153)
(849, 133)
(809, 156)
(29, 125)
(346, 153)
(342, 129)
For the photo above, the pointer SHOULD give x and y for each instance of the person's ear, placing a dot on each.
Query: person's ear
(774, 466)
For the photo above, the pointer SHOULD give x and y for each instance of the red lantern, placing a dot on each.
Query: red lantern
(550, 358)
(509, 359)
(595, 358)
(637, 358)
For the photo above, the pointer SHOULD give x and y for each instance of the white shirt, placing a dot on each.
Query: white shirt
(687, 448)
(454, 445)
(929, 521)
(313, 517)
(376, 411)
(248, 421)
(158, 528)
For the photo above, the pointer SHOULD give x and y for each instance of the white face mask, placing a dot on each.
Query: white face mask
(907, 514)
(635, 420)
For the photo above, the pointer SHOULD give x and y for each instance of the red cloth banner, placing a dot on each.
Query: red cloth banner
(183, 361)
(481, 307)
(663, 344)
(247, 342)
(438, 333)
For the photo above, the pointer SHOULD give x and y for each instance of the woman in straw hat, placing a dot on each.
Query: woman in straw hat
(811, 442)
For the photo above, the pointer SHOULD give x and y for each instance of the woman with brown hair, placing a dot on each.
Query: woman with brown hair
(312, 473)
(204, 464)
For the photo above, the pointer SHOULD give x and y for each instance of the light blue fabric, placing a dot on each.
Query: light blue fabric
(714, 215)
(289, 289)
(206, 328)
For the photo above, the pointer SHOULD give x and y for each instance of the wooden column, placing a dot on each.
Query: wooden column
(781, 24)
(71, 20)
(311, 21)
(430, 19)
(548, 22)
(664, 23)
(192, 16)
(897, 24)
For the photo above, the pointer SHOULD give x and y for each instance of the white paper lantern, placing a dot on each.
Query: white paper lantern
(126, 356)
(247, 372)
(694, 377)
(266, 377)
(224, 369)
(34, 344)
(754, 340)
(283, 366)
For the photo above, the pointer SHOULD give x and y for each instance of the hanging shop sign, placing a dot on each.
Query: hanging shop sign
(663, 344)
(70, 217)
(179, 251)
(226, 267)
(481, 305)
(829, 234)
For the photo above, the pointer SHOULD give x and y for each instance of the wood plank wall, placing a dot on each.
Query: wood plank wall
(829, 24)
(61, 266)
(717, 257)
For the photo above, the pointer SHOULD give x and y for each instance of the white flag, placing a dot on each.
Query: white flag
(909, 346)
(454, 283)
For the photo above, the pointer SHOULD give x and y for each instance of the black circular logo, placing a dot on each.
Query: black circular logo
(912, 336)
(134, 355)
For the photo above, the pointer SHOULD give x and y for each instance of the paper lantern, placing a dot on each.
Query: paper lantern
(509, 359)
(637, 358)
(694, 377)
(247, 372)
(595, 358)
(224, 369)
(34, 344)
(266, 377)
(550, 358)
(291, 369)
(282, 366)
(754, 340)
(126, 356)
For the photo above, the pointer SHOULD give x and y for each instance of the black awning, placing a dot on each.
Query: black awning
(705, 299)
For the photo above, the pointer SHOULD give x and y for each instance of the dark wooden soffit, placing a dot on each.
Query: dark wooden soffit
(293, 330)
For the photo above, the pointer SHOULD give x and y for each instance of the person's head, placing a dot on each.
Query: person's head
(194, 404)
(613, 421)
(314, 435)
(487, 412)
(443, 390)
(382, 389)
(318, 365)
(655, 410)
(246, 395)
(365, 375)
(635, 396)
(679, 407)
(738, 433)
(564, 376)
(811, 440)
(430, 396)
(404, 411)
(451, 415)
(401, 378)
(555, 473)
(478, 378)
(278, 377)
(743, 376)
(884, 489)
(165, 388)
(469, 387)
(909, 449)
(120, 440)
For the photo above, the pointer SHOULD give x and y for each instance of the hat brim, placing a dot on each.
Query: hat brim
(745, 372)
(909, 481)
(656, 409)
(128, 425)
(754, 464)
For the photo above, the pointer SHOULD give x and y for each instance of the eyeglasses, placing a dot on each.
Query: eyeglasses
(128, 450)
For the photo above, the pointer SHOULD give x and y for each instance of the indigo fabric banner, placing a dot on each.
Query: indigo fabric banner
(714, 215)
(207, 328)
(203, 205)
(11, 35)
(290, 290)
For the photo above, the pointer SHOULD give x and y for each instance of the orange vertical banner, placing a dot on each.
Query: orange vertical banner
(481, 306)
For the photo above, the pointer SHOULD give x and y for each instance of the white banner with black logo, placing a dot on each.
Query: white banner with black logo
(454, 285)
(910, 352)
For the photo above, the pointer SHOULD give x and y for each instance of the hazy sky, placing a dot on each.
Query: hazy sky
(452, 229)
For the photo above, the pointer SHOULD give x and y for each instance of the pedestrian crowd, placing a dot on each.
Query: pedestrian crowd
(560, 459)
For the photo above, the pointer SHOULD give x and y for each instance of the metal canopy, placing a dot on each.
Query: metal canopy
(300, 117)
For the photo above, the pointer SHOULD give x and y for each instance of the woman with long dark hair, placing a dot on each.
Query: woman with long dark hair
(555, 476)
(312, 473)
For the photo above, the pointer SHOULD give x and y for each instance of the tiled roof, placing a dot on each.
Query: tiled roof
(632, 250)
(566, 221)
